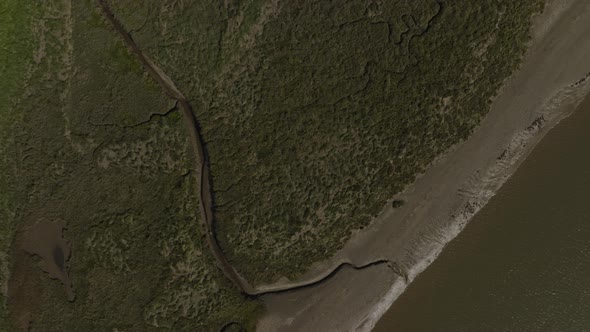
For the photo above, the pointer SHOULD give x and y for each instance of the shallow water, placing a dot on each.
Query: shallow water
(58, 258)
(523, 263)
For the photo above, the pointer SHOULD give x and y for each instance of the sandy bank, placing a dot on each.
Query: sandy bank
(546, 89)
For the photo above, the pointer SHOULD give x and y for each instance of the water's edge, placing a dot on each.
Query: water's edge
(479, 190)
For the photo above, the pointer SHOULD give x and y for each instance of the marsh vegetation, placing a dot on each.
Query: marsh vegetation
(314, 113)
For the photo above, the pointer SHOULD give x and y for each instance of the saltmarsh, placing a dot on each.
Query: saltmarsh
(315, 113)
(99, 146)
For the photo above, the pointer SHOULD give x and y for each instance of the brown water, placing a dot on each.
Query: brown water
(523, 263)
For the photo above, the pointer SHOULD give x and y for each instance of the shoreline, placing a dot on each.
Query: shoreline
(497, 175)
(548, 86)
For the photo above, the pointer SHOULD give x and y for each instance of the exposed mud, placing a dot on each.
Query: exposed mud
(23, 291)
(40, 251)
(44, 240)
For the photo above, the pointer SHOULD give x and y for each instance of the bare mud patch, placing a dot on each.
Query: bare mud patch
(45, 240)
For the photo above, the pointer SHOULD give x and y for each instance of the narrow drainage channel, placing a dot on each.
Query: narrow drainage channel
(205, 182)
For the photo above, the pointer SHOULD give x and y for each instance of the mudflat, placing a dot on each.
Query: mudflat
(548, 86)
(45, 240)
(40, 250)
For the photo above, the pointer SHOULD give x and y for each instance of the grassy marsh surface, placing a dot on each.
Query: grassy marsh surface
(315, 113)
(101, 147)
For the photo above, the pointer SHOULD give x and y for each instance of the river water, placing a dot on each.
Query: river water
(523, 262)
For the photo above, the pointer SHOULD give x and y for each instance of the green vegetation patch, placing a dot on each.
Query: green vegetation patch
(103, 149)
(16, 54)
